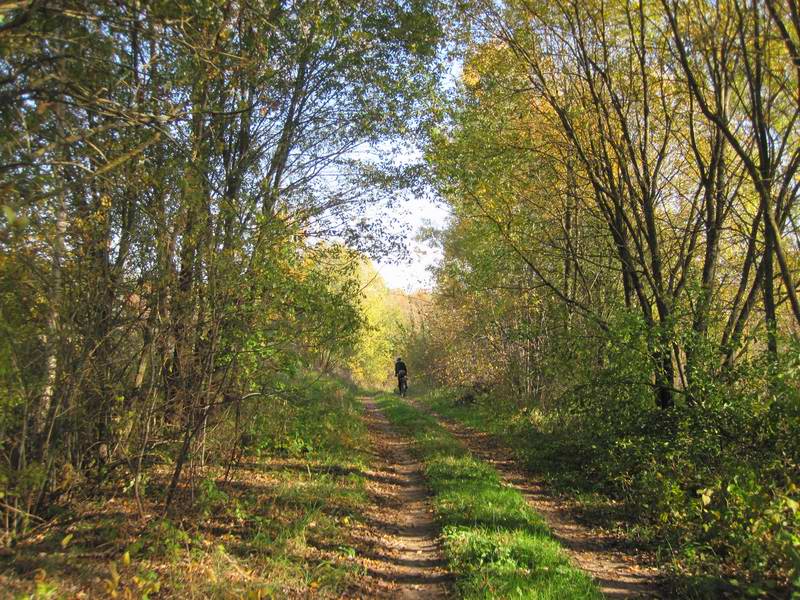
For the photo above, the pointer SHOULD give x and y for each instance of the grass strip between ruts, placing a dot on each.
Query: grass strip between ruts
(495, 544)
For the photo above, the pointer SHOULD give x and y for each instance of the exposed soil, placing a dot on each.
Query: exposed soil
(398, 542)
(618, 572)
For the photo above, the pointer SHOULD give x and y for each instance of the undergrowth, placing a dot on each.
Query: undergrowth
(275, 527)
(723, 517)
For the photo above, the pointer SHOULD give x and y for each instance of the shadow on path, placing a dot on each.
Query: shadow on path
(397, 542)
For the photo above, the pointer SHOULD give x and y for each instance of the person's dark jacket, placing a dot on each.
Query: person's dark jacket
(399, 366)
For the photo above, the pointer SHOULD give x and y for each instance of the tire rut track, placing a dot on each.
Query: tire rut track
(618, 573)
(398, 543)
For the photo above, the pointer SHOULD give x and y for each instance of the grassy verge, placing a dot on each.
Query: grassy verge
(562, 467)
(496, 546)
(720, 518)
(275, 527)
(538, 451)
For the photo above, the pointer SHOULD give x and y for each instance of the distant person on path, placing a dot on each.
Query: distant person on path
(400, 371)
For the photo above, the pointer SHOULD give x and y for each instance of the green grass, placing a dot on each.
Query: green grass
(720, 518)
(557, 459)
(277, 528)
(495, 544)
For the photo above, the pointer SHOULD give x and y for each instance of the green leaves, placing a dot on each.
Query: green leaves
(12, 217)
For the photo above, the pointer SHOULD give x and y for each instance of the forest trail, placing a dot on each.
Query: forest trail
(618, 573)
(399, 547)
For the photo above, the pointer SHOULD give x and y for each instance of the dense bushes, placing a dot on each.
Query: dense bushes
(317, 415)
(713, 487)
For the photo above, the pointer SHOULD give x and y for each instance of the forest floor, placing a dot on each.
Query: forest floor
(365, 497)
(282, 522)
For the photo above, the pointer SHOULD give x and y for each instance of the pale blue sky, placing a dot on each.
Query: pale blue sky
(415, 213)
(413, 273)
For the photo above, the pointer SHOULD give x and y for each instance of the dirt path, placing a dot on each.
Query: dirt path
(618, 574)
(397, 545)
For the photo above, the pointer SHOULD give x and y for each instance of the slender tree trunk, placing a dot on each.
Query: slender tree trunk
(769, 295)
(664, 373)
